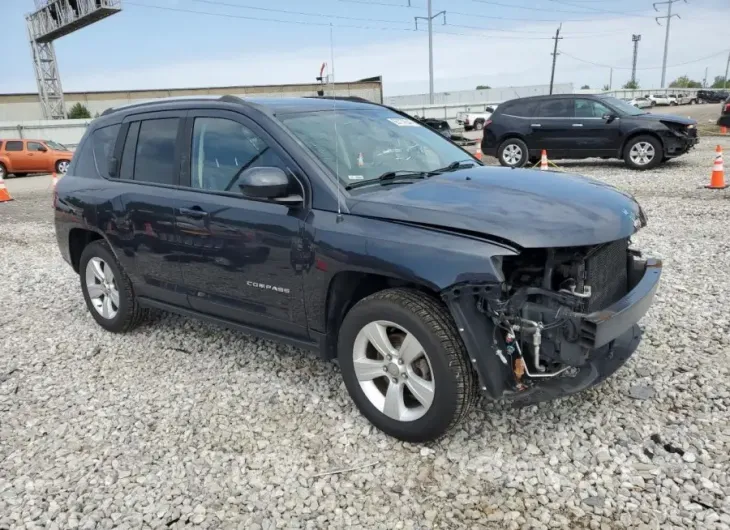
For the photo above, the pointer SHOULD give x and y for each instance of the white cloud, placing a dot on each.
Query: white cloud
(459, 62)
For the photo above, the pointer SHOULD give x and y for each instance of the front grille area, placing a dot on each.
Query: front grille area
(607, 274)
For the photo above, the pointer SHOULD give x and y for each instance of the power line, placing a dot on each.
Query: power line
(668, 18)
(290, 12)
(532, 8)
(627, 13)
(721, 52)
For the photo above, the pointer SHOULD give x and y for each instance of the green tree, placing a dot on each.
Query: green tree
(585, 87)
(685, 82)
(606, 88)
(631, 85)
(78, 111)
(720, 82)
(483, 87)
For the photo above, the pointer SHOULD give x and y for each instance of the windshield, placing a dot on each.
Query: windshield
(371, 142)
(56, 145)
(623, 106)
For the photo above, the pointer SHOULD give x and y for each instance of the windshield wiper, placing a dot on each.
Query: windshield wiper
(390, 177)
(454, 166)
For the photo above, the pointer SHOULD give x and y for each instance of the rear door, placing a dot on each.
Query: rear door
(553, 127)
(592, 133)
(145, 200)
(16, 153)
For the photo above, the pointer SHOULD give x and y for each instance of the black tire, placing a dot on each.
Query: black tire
(129, 314)
(3, 171)
(658, 152)
(479, 125)
(58, 166)
(653, 103)
(428, 320)
(519, 144)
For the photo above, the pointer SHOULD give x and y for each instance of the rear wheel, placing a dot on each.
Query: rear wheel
(513, 153)
(404, 365)
(107, 289)
(643, 152)
(479, 125)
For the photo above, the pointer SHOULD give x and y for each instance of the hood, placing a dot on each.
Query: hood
(529, 208)
(665, 117)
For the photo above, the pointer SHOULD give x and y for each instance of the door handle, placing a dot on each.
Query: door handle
(535, 125)
(577, 125)
(195, 213)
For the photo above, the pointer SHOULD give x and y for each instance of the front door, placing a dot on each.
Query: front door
(238, 252)
(36, 156)
(594, 133)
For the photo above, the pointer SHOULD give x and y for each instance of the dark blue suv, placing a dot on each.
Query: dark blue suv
(348, 228)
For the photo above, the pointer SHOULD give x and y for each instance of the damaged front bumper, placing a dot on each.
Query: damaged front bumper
(609, 337)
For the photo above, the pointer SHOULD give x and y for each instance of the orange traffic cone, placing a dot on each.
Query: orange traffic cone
(4, 193)
(543, 161)
(54, 180)
(479, 153)
(723, 130)
(717, 180)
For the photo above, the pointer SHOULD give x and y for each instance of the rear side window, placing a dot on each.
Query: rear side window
(154, 159)
(14, 146)
(556, 108)
(523, 109)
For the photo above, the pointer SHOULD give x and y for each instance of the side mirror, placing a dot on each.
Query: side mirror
(268, 183)
(112, 166)
(609, 117)
(42, 149)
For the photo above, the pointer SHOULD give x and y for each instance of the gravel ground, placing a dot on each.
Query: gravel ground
(180, 423)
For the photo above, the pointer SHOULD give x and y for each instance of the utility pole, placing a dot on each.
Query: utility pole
(704, 81)
(727, 66)
(557, 37)
(668, 16)
(430, 18)
(610, 79)
(635, 39)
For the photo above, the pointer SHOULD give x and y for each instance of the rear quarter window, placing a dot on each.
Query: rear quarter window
(92, 158)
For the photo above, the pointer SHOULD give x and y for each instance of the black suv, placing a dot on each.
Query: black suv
(712, 96)
(570, 126)
(349, 229)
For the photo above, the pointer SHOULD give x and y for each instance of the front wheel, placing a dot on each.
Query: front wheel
(405, 365)
(62, 166)
(513, 153)
(643, 152)
(479, 125)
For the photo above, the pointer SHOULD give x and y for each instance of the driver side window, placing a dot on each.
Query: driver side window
(222, 150)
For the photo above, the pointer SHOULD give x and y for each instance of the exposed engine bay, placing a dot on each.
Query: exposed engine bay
(537, 312)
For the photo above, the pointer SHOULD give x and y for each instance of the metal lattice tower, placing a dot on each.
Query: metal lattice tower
(636, 39)
(51, 20)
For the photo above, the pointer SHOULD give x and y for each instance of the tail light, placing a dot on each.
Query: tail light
(727, 107)
(466, 121)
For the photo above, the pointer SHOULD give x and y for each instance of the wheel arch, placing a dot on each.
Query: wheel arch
(78, 239)
(640, 132)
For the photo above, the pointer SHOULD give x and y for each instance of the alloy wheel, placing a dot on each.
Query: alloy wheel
(102, 288)
(512, 154)
(642, 153)
(393, 370)
(62, 167)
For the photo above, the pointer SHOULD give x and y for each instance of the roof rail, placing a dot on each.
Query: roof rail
(225, 98)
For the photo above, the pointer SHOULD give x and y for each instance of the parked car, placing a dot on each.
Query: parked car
(428, 276)
(660, 99)
(724, 119)
(21, 157)
(685, 99)
(572, 126)
(440, 126)
(712, 96)
(640, 102)
(475, 119)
